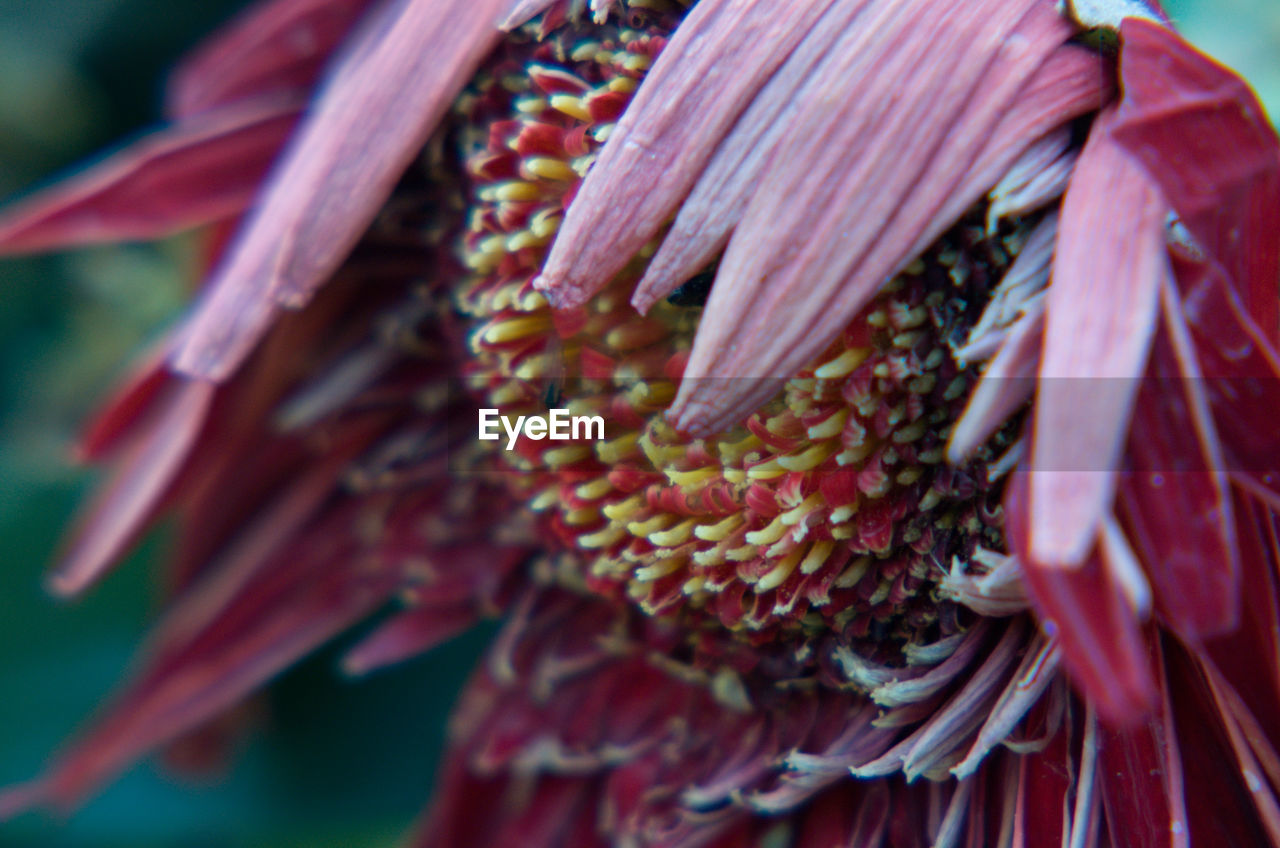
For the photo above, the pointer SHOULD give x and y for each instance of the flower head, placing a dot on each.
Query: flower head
(812, 261)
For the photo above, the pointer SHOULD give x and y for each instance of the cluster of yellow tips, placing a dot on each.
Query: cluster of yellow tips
(831, 507)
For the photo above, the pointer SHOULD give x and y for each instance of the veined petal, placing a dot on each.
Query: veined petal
(386, 96)
(1100, 317)
(191, 173)
(715, 205)
(1242, 370)
(854, 187)
(524, 10)
(275, 47)
(1175, 501)
(1206, 141)
(720, 56)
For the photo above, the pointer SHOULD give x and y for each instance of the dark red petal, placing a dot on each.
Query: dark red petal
(274, 47)
(1142, 778)
(1087, 611)
(1242, 374)
(1175, 501)
(191, 173)
(1204, 138)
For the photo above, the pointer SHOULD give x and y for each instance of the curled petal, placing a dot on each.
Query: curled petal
(720, 56)
(276, 47)
(1100, 317)
(385, 98)
(848, 196)
(194, 172)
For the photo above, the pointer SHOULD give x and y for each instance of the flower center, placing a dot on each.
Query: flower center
(830, 509)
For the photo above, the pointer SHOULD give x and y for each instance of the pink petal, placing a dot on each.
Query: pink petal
(1205, 139)
(274, 47)
(1005, 387)
(408, 634)
(1100, 316)
(716, 203)
(854, 187)
(522, 11)
(201, 170)
(720, 56)
(133, 496)
(385, 98)
(1176, 503)
(1085, 609)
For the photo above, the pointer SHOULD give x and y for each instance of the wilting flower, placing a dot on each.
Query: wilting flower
(936, 345)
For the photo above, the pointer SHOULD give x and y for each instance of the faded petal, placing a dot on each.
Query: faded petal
(1100, 316)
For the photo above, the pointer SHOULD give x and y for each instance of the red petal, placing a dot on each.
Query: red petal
(1242, 372)
(384, 100)
(1086, 610)
(275, 47)
(1142, 778)
(720, 56)
(124, 507)
(1099, 318)
(1206, 140)
(1176, 504)
(182, 176)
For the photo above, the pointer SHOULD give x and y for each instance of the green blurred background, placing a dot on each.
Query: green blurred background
(332, 763)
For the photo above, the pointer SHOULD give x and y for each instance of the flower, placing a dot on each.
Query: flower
(821, 579)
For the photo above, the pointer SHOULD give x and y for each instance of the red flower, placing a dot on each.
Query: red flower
(815, 584)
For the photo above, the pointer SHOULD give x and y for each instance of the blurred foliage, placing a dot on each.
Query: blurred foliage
(333, 763)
